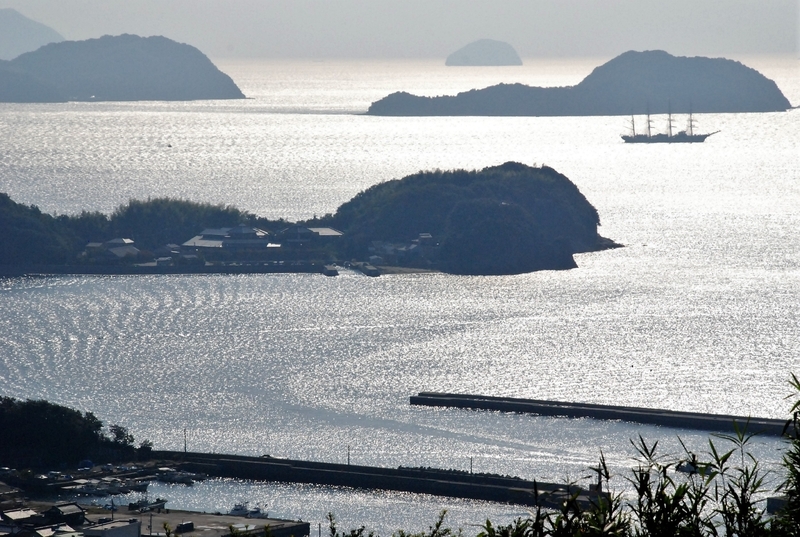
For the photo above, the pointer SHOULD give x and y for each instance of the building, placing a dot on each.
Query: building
(232, 240)
(299, 235)
(67, 513)
(115, 528)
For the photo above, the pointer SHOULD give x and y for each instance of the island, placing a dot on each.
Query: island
(506, 219)
(650, 82)
(484, 52)
(114, 68)
(19, 34)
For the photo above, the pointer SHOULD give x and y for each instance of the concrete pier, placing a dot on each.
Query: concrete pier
(650, 416)
(452, 483)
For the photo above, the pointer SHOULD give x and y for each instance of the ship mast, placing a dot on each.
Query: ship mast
(669, 119)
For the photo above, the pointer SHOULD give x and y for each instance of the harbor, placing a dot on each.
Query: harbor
(161, 522)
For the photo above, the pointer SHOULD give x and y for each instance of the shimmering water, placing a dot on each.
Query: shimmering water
(698, 312)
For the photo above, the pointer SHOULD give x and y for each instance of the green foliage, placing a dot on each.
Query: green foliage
(144, 450)
(502, 219)
(486, 237)
(159, 221)
(438, 529)
(789, 517)
(663, 505)
(120, 435)
(38, 433)
(29, 236)
(352, 533)
(90, 226)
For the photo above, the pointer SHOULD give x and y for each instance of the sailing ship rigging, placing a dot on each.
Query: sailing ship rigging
(684, 136)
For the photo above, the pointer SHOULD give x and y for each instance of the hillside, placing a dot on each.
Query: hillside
(632, 83)
(506, 219)
(32, 237)
(19, 34)
(114, 68)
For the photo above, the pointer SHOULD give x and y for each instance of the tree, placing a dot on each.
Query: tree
(121, 436)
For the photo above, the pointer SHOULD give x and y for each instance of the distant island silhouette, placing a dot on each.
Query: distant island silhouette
(632, 83)
(484, 52)
(114, 68)
(19, 34)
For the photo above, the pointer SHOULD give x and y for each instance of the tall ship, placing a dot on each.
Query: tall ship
(687, 136)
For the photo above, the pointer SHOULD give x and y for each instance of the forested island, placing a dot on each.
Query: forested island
(114, 68)
(650, 82)
(506, 219)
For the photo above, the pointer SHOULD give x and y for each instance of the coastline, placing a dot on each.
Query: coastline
(329, 269)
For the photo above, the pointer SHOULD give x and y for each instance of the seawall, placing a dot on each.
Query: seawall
(456, 484)
(650, 416)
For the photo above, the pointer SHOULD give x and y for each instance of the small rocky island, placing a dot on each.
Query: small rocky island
(506, 219)
(114, 68)
(652, 82)
(484, 52)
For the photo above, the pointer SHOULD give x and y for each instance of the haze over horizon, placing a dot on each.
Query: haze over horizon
(378, 29)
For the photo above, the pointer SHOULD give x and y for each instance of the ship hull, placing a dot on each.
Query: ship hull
(680, 138)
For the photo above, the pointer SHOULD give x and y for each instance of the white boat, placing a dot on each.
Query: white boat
(239, 509)
(145, 505)
(170, 475)
(257, 512)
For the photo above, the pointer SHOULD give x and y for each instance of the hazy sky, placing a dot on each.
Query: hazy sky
(433, 28)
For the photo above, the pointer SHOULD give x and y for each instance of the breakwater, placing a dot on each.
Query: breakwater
(438, 482)
(650, 416)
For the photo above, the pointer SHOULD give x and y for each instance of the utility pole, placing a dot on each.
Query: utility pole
(348, 455)
(184, 441)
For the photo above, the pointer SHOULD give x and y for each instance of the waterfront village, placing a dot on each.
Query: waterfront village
(97, 514)
(296, 248)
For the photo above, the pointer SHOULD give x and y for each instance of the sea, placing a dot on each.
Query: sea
(699, 311)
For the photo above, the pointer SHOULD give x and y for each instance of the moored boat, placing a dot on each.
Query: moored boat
(145, 505)
(239, 509)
